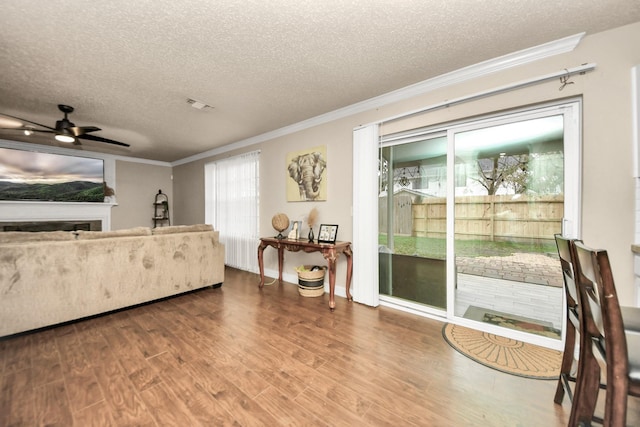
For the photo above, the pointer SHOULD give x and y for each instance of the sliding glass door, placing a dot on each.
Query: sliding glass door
(467, 217)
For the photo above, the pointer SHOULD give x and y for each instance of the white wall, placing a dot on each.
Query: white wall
(138, 183)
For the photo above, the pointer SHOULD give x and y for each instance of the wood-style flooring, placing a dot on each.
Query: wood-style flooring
(242, 356)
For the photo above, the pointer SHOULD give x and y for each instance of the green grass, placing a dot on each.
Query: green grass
(436, 248)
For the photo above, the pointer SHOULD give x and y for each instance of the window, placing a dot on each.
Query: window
(232, 200)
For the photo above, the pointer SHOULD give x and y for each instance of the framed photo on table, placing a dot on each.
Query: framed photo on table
(327, 233)
(294, 233)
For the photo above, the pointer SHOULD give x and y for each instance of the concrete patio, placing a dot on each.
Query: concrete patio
(527, 285)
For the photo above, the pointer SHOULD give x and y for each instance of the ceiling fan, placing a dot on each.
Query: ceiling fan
(65, 130)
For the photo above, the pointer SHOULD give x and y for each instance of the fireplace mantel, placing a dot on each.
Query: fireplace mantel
(56, 211)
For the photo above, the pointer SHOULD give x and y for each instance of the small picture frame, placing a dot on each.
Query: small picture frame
(294, 232)
(328, 233)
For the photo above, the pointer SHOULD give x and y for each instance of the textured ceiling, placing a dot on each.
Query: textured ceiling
(128, 67)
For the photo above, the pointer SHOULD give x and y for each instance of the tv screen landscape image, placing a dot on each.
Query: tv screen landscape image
(34, 176)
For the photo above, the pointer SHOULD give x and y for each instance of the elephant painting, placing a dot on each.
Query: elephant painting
(306, 170)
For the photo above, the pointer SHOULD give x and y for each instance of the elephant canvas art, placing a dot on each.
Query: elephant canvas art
(307, 176)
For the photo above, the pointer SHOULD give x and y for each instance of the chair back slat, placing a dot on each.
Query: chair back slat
(564, 253)
(591, 292)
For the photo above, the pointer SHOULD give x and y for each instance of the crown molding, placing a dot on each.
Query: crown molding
(491, 66)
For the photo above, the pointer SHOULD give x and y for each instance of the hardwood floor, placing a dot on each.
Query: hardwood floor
(241, 356)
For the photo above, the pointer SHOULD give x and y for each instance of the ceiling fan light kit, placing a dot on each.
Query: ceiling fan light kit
(65, 138)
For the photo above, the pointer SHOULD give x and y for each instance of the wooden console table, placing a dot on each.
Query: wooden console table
(330, 252)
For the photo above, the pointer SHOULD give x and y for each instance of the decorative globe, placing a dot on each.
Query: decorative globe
(280, 222)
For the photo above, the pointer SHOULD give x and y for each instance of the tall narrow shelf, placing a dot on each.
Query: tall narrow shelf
(161, 210)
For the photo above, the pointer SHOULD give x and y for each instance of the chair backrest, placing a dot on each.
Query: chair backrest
(565, 253)
(598, 292)
(602, 321)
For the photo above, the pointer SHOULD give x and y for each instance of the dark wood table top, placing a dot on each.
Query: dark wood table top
(303, 243)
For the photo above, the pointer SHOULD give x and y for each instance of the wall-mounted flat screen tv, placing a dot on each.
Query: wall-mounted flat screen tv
(34, 176)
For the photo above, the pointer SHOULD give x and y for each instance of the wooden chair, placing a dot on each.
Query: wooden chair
(602, 328)
(565, 252)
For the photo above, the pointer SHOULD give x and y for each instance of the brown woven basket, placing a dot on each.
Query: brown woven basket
(311, 283)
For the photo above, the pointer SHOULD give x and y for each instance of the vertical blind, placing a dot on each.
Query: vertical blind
(365, 216)
(232, 201)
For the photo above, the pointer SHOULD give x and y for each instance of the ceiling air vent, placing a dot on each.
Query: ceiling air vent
(198, 104)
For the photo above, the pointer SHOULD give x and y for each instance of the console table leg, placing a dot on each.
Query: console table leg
(280, 262)
(261, 264)
(349, 254)
(332, 284)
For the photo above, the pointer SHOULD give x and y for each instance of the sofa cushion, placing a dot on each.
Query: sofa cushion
(35, 236)
(90, 235)
(182, 229)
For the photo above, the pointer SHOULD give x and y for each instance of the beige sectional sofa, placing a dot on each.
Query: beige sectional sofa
(48, 278)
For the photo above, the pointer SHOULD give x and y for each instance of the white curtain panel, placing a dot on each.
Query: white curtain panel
(365, 215)
(232, 201)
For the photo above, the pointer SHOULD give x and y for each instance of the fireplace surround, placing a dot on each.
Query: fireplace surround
(49, 216)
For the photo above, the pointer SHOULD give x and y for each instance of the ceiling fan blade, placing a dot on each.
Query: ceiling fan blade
(38, 130)
(30, 129)
(100, 139)
(29, 121)
(81, 130)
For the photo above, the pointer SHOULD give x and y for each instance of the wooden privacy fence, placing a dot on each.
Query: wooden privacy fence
(402, 214)
(494, 218)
